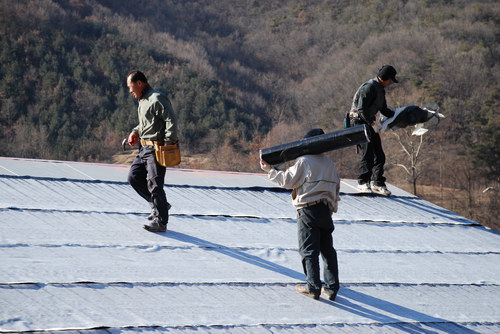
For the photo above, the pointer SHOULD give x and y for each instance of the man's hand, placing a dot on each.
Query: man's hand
(133, 139)
(265, 166)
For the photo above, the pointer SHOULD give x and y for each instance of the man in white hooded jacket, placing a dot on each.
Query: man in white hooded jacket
(315, 186)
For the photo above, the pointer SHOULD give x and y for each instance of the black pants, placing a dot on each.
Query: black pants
(147, 177)
(315, 227)
(371, 167)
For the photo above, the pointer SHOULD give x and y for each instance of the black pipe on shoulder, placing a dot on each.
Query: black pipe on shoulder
(315, 145)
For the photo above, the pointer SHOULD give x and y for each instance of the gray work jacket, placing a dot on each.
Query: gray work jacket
(370, 99)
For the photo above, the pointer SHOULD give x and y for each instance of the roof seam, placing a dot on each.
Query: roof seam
(458, 221)
(265, 325)
(251, 188)
(209, 246)
(236, 283)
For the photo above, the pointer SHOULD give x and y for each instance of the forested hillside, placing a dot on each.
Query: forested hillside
(249, 74)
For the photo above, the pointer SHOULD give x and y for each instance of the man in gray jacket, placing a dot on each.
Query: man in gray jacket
(157, 126)
(315, 186)
(367, 102)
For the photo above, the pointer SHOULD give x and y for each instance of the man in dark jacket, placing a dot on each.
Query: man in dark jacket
(367, 102)
(157, 126)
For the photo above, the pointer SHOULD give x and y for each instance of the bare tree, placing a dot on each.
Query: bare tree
(415, 157)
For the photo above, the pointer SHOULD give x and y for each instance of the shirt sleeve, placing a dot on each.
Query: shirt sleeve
(366, 97)
(337, 187)
(165, 111)
(386, 111)
(291, 178)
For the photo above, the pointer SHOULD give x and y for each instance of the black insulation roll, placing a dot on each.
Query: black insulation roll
(315, 145)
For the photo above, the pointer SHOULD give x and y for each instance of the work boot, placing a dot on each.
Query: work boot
(364, 188)
(303, 289)
(330, 294)
(382, 190)
(156, 226)
(154, 213)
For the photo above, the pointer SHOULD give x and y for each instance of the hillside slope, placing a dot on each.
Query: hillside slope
(251, 74)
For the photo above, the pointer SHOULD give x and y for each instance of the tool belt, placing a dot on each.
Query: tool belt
(145, 142)
(166, 155)
(351, 118)
(354, 115)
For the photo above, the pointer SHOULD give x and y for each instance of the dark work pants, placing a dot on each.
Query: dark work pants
(371, 167)
(315, 227)
(147, 177)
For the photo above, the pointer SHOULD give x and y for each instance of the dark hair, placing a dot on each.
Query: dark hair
(137, 76)
(314, 132)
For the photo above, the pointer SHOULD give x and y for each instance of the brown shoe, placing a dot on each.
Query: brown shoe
(330, 294)
(382, 190)
(155, 226)
(305, 291)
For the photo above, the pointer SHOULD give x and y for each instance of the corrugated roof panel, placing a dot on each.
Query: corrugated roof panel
(118, 173)
(406, 265)
(48, 264)
(436, 328)
(74, 306)
(175, 176)
(395, 209)
(51, 227)
(56, 194)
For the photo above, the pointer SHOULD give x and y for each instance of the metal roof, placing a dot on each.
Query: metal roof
(75, 258)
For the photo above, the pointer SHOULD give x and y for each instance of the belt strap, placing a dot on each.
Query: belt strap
(145, 142)
(315, 202)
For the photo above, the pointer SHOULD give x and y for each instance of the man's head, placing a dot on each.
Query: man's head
(137, 83)
(314, 132)
(387, 75)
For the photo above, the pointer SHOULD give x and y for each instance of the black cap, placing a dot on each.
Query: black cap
(388, 72)
(314, 132)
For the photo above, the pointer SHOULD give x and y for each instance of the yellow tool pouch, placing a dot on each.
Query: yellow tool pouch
(168, 155)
